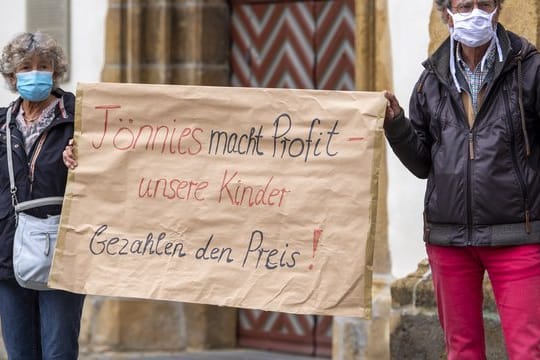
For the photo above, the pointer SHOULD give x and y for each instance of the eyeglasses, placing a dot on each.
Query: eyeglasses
(467, 6)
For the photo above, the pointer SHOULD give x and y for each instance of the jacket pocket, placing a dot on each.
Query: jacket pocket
(514, 156)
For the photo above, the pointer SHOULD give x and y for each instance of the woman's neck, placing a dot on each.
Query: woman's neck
(33, 110)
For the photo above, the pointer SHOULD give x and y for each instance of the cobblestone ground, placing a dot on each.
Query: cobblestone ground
(205, 355)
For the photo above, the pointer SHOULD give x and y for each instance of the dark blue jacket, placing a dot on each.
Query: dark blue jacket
(49, 176)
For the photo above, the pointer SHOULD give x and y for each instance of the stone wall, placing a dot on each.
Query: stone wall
(116, 326)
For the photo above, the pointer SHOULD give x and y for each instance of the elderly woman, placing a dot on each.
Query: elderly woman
(35, 324)
(474, 132)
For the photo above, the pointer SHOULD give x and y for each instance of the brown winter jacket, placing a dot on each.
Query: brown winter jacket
(483, 185)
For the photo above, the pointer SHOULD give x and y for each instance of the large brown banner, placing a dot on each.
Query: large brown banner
(243, 197)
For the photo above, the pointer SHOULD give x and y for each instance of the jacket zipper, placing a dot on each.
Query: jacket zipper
(471, 145)
(515, 162)
(470, 158)
(469, 182)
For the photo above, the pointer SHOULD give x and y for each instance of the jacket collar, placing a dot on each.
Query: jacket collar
(63, 112)
(440, 60)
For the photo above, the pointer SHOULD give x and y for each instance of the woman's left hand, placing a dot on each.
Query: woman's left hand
(69, 156)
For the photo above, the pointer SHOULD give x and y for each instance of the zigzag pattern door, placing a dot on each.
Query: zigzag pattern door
(291, 44)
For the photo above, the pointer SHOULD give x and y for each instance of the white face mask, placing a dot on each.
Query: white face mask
(473, 29)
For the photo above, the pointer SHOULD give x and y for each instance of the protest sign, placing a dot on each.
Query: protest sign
(243, 197)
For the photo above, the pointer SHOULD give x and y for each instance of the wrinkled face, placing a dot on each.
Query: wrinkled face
(35, 62)
(465, 7)
(31, 63)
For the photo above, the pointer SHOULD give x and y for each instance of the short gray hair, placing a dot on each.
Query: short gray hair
(26, 45)
(445, 4)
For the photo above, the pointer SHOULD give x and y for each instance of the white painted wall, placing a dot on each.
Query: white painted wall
(13, 22)
(409, 31)
(87, 39)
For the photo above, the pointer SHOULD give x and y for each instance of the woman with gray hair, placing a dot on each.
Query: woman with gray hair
(36, 324)
(474, 132)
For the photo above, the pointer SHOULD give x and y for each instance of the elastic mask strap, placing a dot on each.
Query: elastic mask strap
(453, 53)
(498, 44)
(499, 52)
(453, 64)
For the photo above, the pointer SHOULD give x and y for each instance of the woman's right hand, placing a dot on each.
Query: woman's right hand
(68, 156)
(392, 108)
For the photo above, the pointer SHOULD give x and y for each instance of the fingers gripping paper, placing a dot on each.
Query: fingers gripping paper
(255, 198)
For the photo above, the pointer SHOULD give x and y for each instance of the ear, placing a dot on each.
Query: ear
(12, 80)
(447, 18)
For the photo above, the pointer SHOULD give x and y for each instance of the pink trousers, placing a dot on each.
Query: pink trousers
(514, 272)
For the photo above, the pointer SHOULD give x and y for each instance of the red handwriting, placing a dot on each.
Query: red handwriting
(172, 189)
(316, 237)
(106, 122)
(233, 190)
(163, 138)
(236, 193)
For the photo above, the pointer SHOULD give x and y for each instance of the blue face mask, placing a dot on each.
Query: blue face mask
(34, 85)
